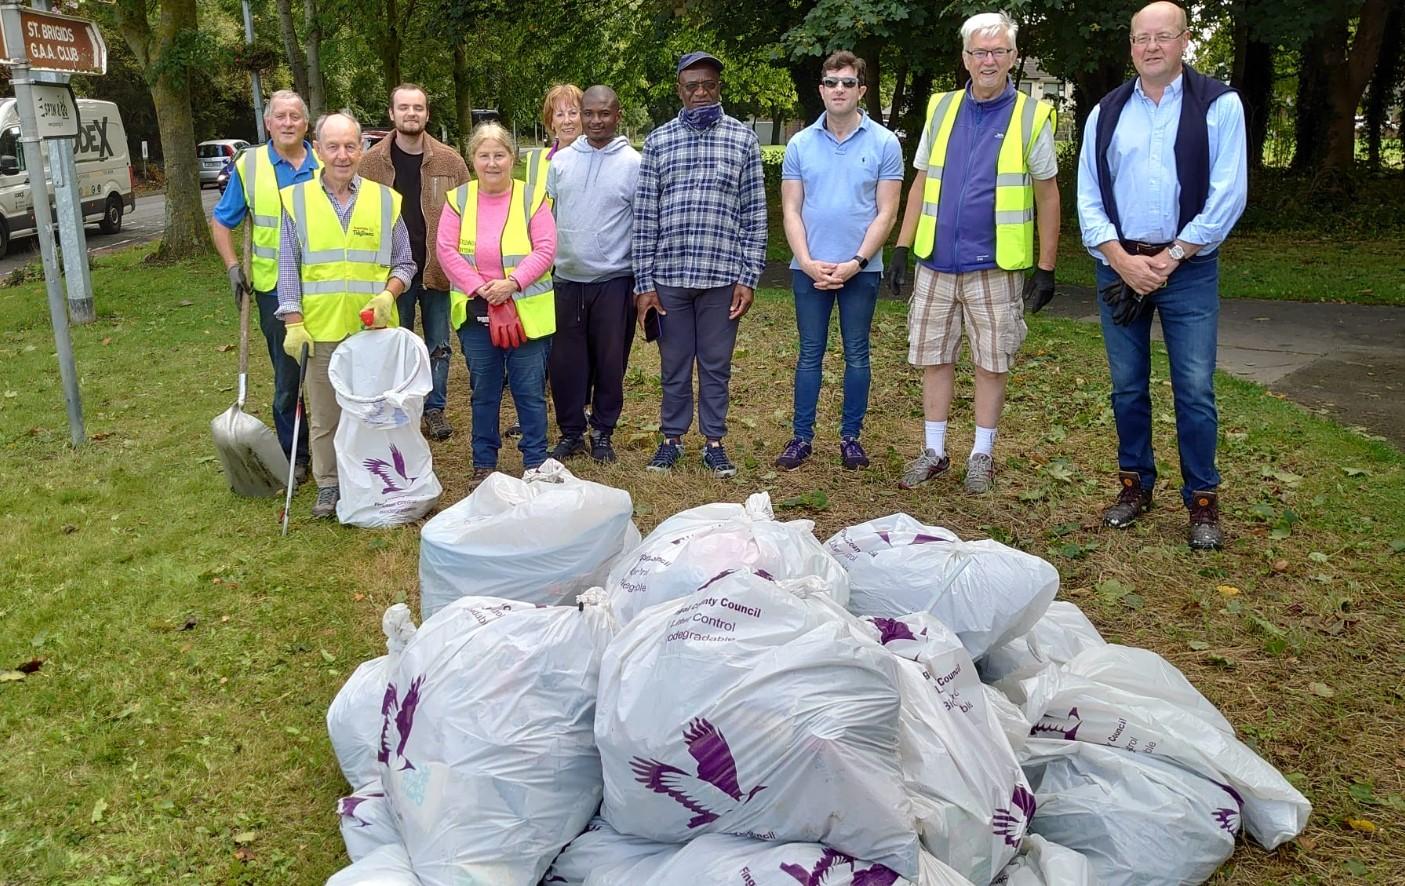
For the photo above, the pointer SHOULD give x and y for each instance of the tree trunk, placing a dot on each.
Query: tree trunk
(871, 51)
(297, 62)
(463, 95)
(1334, 79)
(316, 87)
(899, 88)
(778, 125)
(802, 75)
(1253, 77)
(1384, 82)
(390, 48)
(1310, 122)
(915, 117)
(187, 233)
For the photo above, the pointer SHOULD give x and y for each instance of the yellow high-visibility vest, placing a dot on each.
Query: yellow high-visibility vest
(536, 303)
(1014, 189)
(342, 269)
(260, 182)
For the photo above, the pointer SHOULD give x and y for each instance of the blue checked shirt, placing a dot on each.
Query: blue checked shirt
(700, 208)
(402, 261)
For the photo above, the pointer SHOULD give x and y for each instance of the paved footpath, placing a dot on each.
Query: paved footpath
(1345, 360)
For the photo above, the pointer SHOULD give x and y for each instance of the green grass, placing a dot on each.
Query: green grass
(174, 732)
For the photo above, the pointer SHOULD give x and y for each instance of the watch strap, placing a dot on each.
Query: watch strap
(863, 262)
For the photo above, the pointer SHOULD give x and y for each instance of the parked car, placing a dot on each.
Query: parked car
(370, 137)
(222, 180)
(214, 154)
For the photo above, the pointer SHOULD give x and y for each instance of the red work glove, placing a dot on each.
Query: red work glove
(504, 326)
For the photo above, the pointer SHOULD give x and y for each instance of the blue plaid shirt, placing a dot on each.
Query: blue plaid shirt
(700, 208)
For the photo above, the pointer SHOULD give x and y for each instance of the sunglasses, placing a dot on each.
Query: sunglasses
(835, 82)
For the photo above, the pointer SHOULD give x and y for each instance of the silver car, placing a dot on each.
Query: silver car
(214, 154)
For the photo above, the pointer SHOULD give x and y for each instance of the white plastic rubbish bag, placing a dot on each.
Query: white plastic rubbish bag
(688, 549)
(724, 860)
(384, 467)
(354, 717)
(366, 821)
(599, 848)
(986, 592)
(1133, 698)
(970, 797)
(388, 865)
(491, 765)
(1060, 634)
(1140, 820)
(1042, 863)
(756, 708)
(540, 540)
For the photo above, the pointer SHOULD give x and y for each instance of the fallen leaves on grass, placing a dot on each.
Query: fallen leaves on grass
(98, 809)
(815, 500)
(30, 666)
(1363, 825)
(1321, 689)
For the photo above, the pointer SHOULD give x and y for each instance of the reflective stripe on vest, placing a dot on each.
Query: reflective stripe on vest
(536, 303)
(260, 182)
(341, 268)
(1014, 189)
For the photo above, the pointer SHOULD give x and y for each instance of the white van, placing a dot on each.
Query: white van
(104, 171)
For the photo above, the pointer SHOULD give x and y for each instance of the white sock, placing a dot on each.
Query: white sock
(936, 436)
(985, 441)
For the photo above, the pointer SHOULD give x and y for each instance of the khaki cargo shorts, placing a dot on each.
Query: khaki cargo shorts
(988, 304)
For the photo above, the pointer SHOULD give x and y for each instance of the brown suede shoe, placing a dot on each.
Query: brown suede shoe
(1205, 532)
(1132, 501)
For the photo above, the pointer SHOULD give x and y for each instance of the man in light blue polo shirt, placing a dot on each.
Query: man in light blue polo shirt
(840, 186)
(292, 160)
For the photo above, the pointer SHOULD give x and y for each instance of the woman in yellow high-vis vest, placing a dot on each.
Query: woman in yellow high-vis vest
(496, 242)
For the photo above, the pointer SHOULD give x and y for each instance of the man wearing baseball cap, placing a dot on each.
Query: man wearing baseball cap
(699, 248)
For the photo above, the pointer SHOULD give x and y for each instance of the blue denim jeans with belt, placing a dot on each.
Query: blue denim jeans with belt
(525, 370)
(285, 377)
(1189, 307)
(434, 316)
(813, 307)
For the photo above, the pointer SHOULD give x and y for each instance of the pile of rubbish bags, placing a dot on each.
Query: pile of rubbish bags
(735, 702)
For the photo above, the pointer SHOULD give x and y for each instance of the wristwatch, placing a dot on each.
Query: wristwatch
(863, 262)
(1176, 252)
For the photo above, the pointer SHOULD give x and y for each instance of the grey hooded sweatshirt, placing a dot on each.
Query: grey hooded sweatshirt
(593, 192)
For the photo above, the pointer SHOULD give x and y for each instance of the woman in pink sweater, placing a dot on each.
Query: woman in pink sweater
(504, 320)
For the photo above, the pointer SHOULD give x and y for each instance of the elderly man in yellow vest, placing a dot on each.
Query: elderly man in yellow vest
(985, 163)
(342, 242)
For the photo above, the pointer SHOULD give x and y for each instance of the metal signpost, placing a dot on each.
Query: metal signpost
(44, 40)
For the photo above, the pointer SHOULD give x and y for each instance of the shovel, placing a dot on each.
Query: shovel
(254, 461)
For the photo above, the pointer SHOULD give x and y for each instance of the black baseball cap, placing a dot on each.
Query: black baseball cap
(688, 59)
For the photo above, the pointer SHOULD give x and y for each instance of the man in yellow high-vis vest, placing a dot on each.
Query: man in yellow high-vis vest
(342, 248)
(252, 193)
(985, 163)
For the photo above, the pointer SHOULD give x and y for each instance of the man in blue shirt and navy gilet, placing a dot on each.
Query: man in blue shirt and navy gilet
(1162, 178)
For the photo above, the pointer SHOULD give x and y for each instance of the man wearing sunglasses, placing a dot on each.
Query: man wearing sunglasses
(840, 185)
(1162, 178)
(984, 165)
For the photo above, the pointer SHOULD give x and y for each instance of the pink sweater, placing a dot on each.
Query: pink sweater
(487, 251)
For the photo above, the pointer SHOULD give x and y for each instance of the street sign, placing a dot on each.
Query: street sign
(144, 150)
(54, 42)
(56, 110)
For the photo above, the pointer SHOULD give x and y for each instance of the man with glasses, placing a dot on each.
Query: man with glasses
(985, 174)
(698, 250)
(1162, 178)
(840, 186)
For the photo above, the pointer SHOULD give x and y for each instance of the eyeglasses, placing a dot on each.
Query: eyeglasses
(835, 82)
(1158, 39)
(983, 54)
(701, 85)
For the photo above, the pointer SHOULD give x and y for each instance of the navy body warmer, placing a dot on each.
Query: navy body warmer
(1192, 143)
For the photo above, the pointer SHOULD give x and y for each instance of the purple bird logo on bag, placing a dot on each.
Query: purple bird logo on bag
(1227, 818)
(381, 469)
(1010, 823)
(714, 791)
(878, 875)
(402, 714)
(1050, 726)
(346, 808)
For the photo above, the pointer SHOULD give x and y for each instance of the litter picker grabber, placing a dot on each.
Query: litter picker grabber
(297, 426)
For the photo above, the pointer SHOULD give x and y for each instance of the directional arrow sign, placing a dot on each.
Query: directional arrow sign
(54, 42)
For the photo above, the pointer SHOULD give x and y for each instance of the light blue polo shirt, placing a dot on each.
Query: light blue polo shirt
(841, 185)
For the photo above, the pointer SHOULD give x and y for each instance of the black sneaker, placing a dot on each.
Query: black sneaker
(569, 447)
(851, 454)
(513, 430)
(794, 454)
(438, 425)
(715, 460)
(601, 449)
(666, 456)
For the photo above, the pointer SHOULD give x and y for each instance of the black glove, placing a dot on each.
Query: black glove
(1038, 290)
(238, 284)
(1126, 304)
(896, 273)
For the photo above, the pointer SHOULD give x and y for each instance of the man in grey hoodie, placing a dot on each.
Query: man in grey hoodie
(592, 183)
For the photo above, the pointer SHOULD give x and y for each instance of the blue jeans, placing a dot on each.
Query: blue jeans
(285, 376)
(434, 316)
(812, 310)
(1189, 306)
(525, 370)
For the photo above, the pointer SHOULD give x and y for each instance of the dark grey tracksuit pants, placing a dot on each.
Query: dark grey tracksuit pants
(696, 328)
(589, 352)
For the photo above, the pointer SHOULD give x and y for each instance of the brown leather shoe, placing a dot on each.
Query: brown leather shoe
(1132, 501)
(1205, 532)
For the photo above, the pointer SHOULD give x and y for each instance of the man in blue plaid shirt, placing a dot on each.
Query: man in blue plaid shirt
(699, 247)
